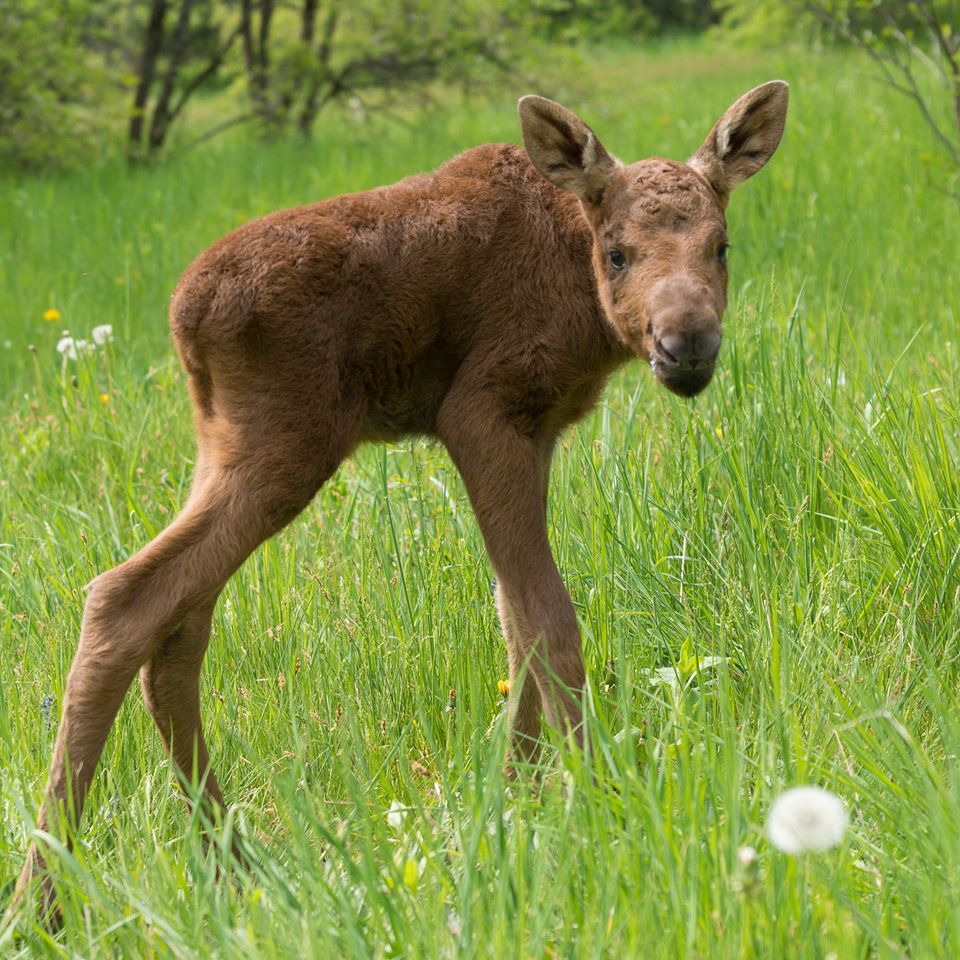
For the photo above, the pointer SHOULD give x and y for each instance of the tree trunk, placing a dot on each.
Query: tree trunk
(308, 19)
(161, 111)
(311, 99)
(152, 43)
(257, 57)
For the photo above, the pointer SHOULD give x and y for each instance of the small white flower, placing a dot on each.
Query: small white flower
(633, 733)
(7, 344)
(396, 814)
(67, 347)
(676, 678)
(806, 819)
(102, 334)
(747, 856)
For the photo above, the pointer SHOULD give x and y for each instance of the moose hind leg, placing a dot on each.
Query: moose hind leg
(170, 681)
(134, 608)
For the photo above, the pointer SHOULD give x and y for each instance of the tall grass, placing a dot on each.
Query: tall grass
(799, 521)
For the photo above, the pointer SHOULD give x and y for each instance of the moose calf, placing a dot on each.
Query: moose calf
(485, 304)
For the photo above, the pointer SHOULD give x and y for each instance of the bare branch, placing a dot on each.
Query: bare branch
(892, 64)
(205, 74)
(219, 128)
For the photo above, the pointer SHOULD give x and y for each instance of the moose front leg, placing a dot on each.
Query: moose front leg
(505, 476)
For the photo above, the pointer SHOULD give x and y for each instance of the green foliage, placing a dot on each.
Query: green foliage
(776, 21)
(884, 18)
(767, 22)
(798, 523)
(52, 87)
(371, 52)
(915, 47)
(577, 20)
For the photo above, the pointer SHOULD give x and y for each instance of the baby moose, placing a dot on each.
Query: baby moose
(486, 305)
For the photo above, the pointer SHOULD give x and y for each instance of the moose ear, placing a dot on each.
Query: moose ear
(744, 138)
(564, 149)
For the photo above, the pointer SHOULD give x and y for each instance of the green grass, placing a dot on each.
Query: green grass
(800, 520)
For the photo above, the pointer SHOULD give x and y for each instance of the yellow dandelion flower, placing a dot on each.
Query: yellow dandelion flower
(52, 315)
(104, 397)
(719, 431)
(411, 874)
(504, 687)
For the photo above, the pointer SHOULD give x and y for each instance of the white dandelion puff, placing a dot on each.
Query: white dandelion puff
(102, 334)
(67, 347)
(806, 819)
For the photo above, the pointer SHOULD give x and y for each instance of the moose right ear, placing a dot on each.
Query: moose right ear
(564, 149)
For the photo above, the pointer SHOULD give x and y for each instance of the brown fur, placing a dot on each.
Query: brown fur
(481, 305)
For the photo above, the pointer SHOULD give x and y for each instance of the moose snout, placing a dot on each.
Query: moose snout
(684, 361)
(690, 350)
(685, 333)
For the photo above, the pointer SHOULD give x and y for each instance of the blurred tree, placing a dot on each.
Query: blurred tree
(301, 56)
(606, 19)
(914, 43)
(51, 84)
(766, 22)
(198, 40)
(906, 38)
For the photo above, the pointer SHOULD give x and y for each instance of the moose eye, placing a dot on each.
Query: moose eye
(617, 260)
(722, 252)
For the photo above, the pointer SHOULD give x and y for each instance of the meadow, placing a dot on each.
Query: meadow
(800, 522)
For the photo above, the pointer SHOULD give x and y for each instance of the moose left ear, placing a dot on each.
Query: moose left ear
(744, 138)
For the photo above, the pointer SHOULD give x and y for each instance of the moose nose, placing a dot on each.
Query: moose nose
(690, 351)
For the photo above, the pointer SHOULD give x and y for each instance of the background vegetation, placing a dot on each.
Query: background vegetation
(799, 521)
(76, 72)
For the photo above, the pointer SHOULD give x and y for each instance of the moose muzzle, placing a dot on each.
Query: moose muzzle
(685, 335)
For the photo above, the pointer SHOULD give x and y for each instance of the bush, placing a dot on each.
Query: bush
(52, 83)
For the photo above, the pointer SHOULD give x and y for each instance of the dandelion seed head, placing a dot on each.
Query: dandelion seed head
(102, 334)
(67, 347)
(806, 819)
